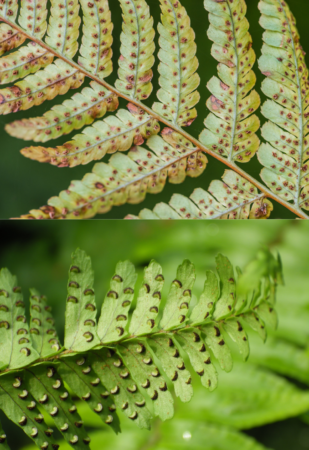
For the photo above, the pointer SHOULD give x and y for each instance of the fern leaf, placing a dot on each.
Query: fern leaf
(145, 314)
(205, 305)
(115, 133)
(97, 36)
(178, 77)
(234, 198)
(88, 387)
(285, 155)
(256, 324)
(80, 315)
(126, 178)
(173, 364)
(230, 127)
(179, 297)
(137, 49)
(82, 109)
(225, 303)
(116, 377)
(114, 314)
(43, 333)
(19, 406)
(28, 59)
(55, 79)
(9, 38)
(137, 356)
(236, 332)
(15, 341)
(63, 27)
(193, 344)
(9, 9)
(46, 387)
(33, 17)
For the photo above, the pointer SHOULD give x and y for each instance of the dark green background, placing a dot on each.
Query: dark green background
(27, 184)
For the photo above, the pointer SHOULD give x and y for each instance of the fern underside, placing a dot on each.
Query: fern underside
(48, 68)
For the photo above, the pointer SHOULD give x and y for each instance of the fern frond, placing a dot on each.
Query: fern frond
(55, 79)
(127, 178)
(97, 36)
(82, 109)
(9, 9)
(286, 153)
(234, 198)
(115, 133)
(109, 366)
(178, 77)
(230, 127)
(28, 59)
(9, 38)
(137, 49)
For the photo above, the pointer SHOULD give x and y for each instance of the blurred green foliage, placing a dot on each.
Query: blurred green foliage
(267, 397)
(28, 184)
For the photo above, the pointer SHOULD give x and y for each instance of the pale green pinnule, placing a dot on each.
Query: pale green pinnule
(26, 60)
(234, 198)
(113, 321)
(9, 38)
(166, 351)
(226, 301)
(215, 341)
(82, 109)
(207, 301)
(79, 376)
(115, 375)
(267, 314)
(137, 356)
(63, 27)
(285, 155)
(230, 127)
(137, 47)
(33, 17)
(145, 314)
(193, 344)
(80, 313)
(42, 326)
(126, 178)
(16, 348)
(114, 133)
(43, 382)
(14, 399)
(96, 52)
(257, 325)
(236, 332)
(178, 77)
(179, 297)
(55, 79)
(9, 9)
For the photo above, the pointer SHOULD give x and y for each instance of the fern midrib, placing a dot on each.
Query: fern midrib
(196, 325)
(9, 69)
(138, 48)
(134, 180)
(268, 193)
(99, 39)
(109, 138)
(230, 158)
(179, 66)
(41, 88)
(236, 207)
(34, 16)
(300, 105)
(65, 25)
(81, 111)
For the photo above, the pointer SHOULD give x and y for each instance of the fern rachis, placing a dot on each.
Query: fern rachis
(111, 364)
(135, 73)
